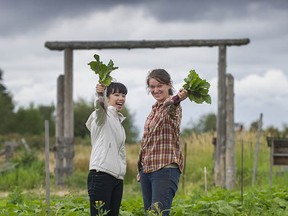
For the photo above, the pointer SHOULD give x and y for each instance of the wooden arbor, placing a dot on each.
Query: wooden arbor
(65, 121)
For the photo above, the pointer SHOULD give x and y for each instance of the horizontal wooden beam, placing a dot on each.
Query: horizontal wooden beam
(85, 45)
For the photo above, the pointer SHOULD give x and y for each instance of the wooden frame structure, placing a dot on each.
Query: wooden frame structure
(65, 131)
(278, 153)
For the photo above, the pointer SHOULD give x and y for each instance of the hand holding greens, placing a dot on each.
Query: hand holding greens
(103, 72)
(197, 88)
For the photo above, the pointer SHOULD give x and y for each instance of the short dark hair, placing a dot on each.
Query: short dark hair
(116, 87)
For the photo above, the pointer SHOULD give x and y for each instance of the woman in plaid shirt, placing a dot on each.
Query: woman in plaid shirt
(160, 159)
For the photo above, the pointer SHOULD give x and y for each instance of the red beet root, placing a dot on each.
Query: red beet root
(174, 100)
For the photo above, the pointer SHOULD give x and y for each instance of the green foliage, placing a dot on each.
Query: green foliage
(82, 110)
(16, 197)
(70, 205)
(132, 206)
(6, 108)
(28, 173)
(206, 123)
(77, 180)
(48, 113)
(131, 130)
(102, 70)
(256, 202)
(197, 88)
(99, 206)
(189, 200)
(30, 121)
(62, 206)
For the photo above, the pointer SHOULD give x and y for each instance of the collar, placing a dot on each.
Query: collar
(157, 105)
(117, 114)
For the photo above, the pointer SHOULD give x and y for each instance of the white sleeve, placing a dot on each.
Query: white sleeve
(90, 120)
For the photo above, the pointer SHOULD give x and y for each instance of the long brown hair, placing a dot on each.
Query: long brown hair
(161, 76)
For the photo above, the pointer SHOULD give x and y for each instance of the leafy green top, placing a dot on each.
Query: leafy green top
(102, 70)
(197, 88)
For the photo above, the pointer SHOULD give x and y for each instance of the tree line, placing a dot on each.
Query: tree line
(30, 120)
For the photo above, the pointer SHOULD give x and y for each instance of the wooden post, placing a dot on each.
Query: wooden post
(257, 149)
(68, 109)
(271, 162)
(278, 153)
(69, 46)
(219, 162)
(9, 150)
(184, 169)
(230, 134)
(86, 45)
(242, 169)
(59, 133)
(47, 167)
(205, 181)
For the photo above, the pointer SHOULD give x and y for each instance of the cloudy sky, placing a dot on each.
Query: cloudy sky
(260, 69)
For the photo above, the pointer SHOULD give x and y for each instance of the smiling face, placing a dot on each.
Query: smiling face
(159, 91)
(117, 100)
(116, 95)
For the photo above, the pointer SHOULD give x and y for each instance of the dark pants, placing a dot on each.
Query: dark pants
(159, 188)
(107, 189)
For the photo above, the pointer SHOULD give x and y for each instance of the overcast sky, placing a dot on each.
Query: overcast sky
(260, 69)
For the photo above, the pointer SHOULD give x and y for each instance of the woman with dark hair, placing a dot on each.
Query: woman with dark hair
(108, 155)
(160, 158)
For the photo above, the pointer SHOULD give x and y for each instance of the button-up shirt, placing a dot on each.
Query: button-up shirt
(160, 145)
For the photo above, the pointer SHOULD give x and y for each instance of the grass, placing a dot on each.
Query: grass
(29, 177)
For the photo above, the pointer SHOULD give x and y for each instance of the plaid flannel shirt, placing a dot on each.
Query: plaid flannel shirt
(160, 145)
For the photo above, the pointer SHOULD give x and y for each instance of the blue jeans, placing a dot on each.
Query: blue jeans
(106, 188)
(159, 188)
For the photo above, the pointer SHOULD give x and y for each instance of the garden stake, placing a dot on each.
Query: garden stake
(242, 170)
(47, 166)
(205, 180)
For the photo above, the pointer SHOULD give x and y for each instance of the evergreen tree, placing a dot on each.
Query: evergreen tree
(29, 121)
(131, 131)
(83, 109)
(6, 108)
(48, 113)
(206, 123)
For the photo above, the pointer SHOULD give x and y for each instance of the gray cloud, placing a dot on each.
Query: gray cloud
(22, 16)
(29, 67)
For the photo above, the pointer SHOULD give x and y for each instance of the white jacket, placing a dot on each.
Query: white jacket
(108, 152)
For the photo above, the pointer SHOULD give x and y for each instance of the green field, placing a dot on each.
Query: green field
(23, 192)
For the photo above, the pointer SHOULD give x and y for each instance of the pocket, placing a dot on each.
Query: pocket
(96, 181)
(175, 175)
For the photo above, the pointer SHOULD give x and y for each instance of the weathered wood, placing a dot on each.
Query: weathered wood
(219, 162)
(59, 132)
(47, 161)
(68, 104)
(184, 142)
(257, 149)
(26, 146)
(9, 149)
(86, 45)
(230, 134)
(69, 46)
(278, 153)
